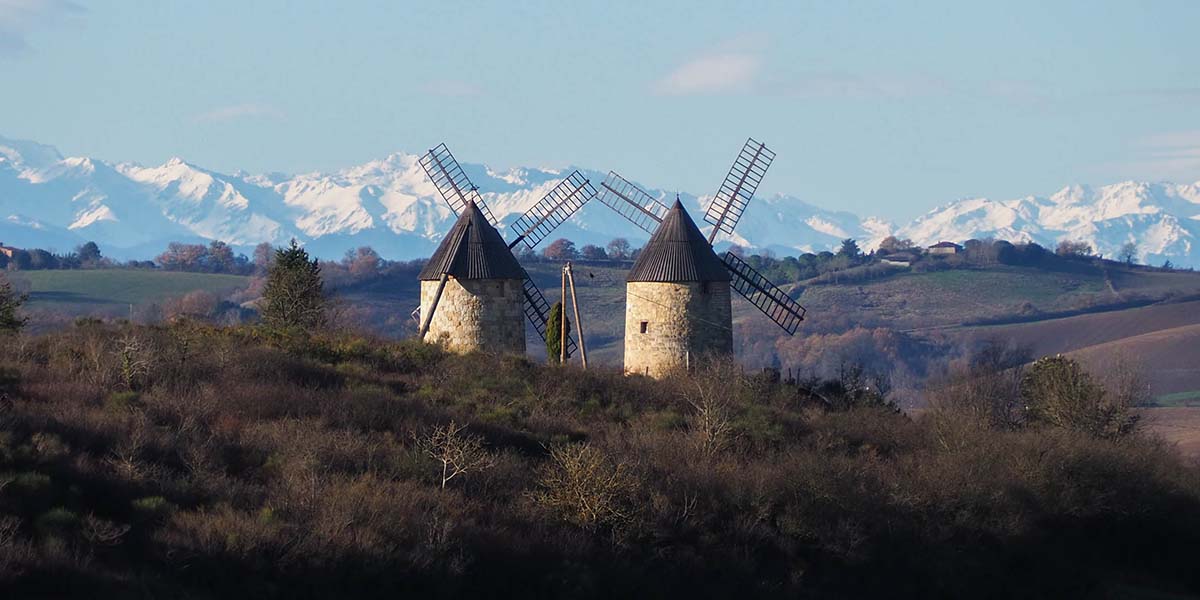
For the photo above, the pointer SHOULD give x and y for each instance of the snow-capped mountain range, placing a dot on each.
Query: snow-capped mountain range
(133, 211)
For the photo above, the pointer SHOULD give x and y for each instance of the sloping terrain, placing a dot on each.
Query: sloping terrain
(1163, 340)
(1169, 357)
(57, 297)
(937, 306)
(1056, 336)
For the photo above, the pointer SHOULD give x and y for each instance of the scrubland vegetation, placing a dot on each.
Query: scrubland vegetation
(187, 460)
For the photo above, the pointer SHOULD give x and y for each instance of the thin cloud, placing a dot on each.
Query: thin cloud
(238, 111)
(19, 17)
(451, 88)
(1173, 156)
(714, 73)
(1165, 93)
(850, 85)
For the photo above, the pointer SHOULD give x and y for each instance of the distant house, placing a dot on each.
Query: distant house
(897, 260)
(8, 250)
(945, 248)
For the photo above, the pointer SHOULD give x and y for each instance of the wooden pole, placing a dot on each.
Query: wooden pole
(562, 314)
(426, 320)
(578, 323)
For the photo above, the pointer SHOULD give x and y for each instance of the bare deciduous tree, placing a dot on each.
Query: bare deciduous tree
(1129, 253)
(1074, 248)
(134, 364)
(710, 395)
(102, 532)
(459, 453)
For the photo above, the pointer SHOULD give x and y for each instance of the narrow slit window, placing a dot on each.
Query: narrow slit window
(645, 325)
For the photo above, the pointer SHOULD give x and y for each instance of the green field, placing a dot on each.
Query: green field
(922, 300)
(74, 291)
(1189, 398)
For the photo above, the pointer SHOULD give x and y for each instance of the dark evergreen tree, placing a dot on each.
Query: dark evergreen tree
(850, 249)
(294, 297)
(10, 301)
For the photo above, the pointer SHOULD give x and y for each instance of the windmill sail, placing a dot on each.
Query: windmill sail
(567, 197)
(631, 202)
(738, 188)
(452, 183)
(772, 301)
(458, 191)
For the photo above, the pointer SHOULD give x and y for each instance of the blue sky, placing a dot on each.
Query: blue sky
(879, 108)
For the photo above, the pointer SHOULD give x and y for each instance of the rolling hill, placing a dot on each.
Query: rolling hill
(110, 293)
(1095, 312)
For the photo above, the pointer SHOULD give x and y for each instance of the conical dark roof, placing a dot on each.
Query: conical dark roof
(678, 252)
(473, 249)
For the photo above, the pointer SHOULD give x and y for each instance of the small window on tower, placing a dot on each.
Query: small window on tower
(645, 324)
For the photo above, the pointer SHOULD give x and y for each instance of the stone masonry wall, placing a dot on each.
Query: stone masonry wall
(477, 314)
(684, 324)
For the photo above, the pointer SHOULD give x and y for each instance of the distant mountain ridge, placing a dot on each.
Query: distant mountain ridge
(132, 211)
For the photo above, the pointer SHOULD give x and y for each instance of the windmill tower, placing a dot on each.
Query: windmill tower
(477, 284)
(473, 290)
(678, 305)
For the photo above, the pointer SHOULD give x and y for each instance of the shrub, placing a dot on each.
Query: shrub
(56, 521)
(119, 402)
(152, 507)
(1058, 392)
(584, 487)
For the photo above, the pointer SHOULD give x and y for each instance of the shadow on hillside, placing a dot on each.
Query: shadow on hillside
(66, 297)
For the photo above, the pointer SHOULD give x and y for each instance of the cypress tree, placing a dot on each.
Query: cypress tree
(554, 333)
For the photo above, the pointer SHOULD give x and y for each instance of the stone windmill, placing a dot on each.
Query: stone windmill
(473, 290)
(677, 309)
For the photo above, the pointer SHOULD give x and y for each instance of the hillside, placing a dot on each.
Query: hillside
(1159, 339)
(937, 306)
(941, 309)
(223, 465)
(108, 293)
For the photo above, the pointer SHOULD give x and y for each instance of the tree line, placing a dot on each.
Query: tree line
(85, 256)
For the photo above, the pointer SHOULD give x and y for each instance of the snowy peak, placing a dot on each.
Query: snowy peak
(389, 203)
(27, 155)
(1163, 219)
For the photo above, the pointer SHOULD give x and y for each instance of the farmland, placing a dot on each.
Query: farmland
(102, 291)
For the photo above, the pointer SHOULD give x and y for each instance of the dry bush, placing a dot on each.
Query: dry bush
(712, 393)
(193, 305)
(584, 487)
